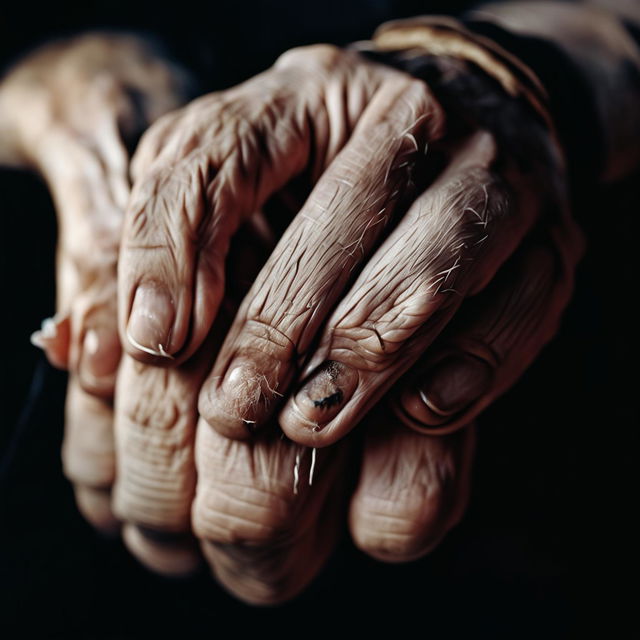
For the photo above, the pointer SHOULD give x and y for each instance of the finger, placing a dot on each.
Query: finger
(495, 338)
(88, 182)
(88, 185)
(88, 454)
(267, 511)
(115, 156)
(335, 230)
(150, 145)
(185, 207)
(447, 246)
(413, 489)
(94, 352)
(155, 427)
(170, 554)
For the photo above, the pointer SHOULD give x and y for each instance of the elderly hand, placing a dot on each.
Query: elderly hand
(422, 244)
(70, 111)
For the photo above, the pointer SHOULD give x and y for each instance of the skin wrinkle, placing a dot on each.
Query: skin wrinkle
(155, 436)
(404, 509)
(515, 320)
(409, 298)
(290, 276)
(466, 214)
(259, 553)
(266, 479)
(304, 261)
(271, 572)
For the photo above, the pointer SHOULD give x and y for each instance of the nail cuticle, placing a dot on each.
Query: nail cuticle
(299, 415)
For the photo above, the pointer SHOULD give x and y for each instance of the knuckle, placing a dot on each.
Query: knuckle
(318, 55)
(398, 531)
(170, 203)
(237, 514)
(151, 501)
(376, 343)
(264, 337)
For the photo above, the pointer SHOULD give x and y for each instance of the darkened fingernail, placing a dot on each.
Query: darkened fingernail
(454, 383)
(100, 355)
(327, 391)
(151, 320)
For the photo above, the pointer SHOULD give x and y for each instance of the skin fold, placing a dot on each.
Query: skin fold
(414, 261)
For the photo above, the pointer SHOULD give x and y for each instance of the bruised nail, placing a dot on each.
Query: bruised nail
(455, 383)
(151, 320)
(326, 392)
(100, 357)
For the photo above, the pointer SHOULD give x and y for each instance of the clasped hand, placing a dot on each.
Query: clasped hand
(313, 250)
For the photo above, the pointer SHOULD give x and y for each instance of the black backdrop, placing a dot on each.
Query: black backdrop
(545, 549)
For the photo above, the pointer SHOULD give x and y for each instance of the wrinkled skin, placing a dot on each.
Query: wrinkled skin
(70, 111)
(441, 290)
(345, 305)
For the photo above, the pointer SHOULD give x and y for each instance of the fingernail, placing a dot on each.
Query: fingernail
(48, 331)
(53, 339)
(248, 393)
(151, 320)
(325, 394)
(455, 383)
(100, 354)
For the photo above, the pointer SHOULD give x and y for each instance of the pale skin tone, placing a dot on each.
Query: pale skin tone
(384, 282)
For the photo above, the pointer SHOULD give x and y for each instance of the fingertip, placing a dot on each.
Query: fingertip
(95, 506)
(172, 555)
(99, 359)
(317, 414)
(301, 430)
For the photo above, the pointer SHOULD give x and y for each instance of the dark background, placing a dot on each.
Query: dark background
(546, 548)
